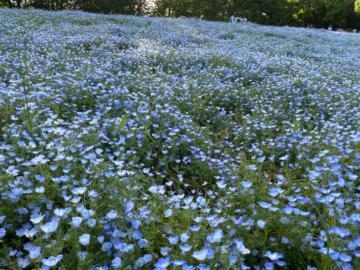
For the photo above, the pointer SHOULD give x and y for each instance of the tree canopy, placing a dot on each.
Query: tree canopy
(316, 13)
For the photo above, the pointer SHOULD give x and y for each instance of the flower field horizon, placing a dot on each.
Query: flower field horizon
(159, 143)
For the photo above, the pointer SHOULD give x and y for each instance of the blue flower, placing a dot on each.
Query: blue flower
(52, 261)
(200, 255)
(51, 226)
(162, 263)
(241, 247)
(216, 236)
(84, 239)
(116, 263)
(173, 240)
(168, 213)
(274, 256)
(34, 251)
(23, 262)
(143, 243)
(2, 232)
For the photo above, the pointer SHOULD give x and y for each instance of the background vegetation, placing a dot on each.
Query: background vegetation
(316, 13)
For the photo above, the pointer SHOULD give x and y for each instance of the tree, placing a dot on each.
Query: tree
(278, 12)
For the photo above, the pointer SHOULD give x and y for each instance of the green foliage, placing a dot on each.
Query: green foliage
(101, 6)
(316, 13)
(357, 6)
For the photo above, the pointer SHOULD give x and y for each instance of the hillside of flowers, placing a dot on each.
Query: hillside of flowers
(157, 143)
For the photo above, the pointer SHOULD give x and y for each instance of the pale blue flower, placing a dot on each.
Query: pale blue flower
(200, 255)
(52, 261)
(23, 262)
(2, 232)
(34, 251)
(116, 263)
(274, 256)
(162, 263)
(216, 236)
(168, 213)
(51, 226)
(84, 239)
(173, 240)
(241, 247)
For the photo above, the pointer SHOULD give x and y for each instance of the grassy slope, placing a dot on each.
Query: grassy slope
(247, 129)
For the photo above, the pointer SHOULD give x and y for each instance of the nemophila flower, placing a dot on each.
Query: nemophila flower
(342, 232)
(60, 212)
(112, 215)
(106, 246)
(221, 184)
(246, 184)
(160, 189)
(184, 237)
(168, 213)
(84, 239)
(275, 191)
(51, 226)
(116, 263)
(185, 248)
(36, 218)
(82, 255)
(135, 224)
(2, 232)
(129, 206)
(251, 167)
(40, 190)
(162, 263)
(269, 265)
(200, 255)
(240, 247)
(216, 236)
(143, 243)
(23, 262)
(194, 228)
(100, 238)
(143, 260)
(78, 190)
(274, 256)
(173, 240)
(52, 260)
(76, 221)
(261, 224)
(34, 251)
(178, 263)
(203, 267)
(165, 250)
(91, 222)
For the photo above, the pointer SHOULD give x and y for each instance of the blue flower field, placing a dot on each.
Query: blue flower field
(158, 143)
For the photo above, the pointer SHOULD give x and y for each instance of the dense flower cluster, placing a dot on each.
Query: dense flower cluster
(143, 143)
